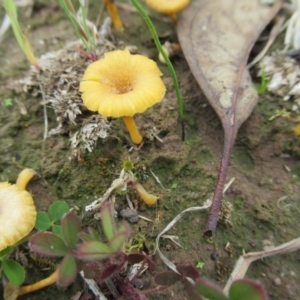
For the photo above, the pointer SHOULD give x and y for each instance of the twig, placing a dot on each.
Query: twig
(227, 186)
(245, 260)
(112, 288)
(172, 238)
(170, 225)
(146, 219)
(117, 184)
(45, 113)
(129, 202)
(93, 287)
(157, 180)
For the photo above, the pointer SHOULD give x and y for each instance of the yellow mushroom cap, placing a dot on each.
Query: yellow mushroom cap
(17, 214)
(297, 130)
(122, 84)
(167, 6)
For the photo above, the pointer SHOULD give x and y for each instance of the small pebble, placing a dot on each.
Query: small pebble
(131, 215)
(277, 281)
(293, 274)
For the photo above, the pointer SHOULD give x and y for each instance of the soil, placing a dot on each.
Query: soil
(265, 164)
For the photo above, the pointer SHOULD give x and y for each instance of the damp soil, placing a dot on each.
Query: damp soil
(265, 164)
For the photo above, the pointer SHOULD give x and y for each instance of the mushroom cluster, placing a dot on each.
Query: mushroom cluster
(121, 85)
(17, 210)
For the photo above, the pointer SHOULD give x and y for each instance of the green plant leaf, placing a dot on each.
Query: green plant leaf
(43, 221)
(67, 270)
(188, 271)
(209, 290)
(8, 102)
(13, 271)
(93, 234)
(246, 289)
(57, 210)
(71, 226)
(93, 250)
(108, 221)
(116, 243)
(85, 237)
(57, 230)
(48, 244)
(190, 290)
(5, 252)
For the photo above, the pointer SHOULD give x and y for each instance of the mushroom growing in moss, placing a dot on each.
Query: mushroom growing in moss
(168, 7)
(121, 85)
(17, 210)
(149, 199)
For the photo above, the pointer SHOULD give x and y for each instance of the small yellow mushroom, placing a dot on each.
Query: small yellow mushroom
(24, 177)
(113, 12)
(297, 130)
(168, 7)
(149, 199)
(121, 85)
(17, 210)
(11, 292)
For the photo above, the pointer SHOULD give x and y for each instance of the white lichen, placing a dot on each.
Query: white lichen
(92, 129)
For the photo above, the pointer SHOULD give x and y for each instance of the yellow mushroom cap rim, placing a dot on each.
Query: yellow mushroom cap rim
(122, 84)
(17, 214)
(168, 6)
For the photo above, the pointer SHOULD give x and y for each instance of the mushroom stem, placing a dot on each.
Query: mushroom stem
(40, 284)
(24, 177)
(173, 17)
(149, 199)
(112, 10)
(132, 129)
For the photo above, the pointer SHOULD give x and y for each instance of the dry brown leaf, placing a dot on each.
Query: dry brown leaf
(216, 37)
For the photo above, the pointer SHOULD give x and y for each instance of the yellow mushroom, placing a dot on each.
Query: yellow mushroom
(297, 130)
(121, 85)
(149, 199)
(113, 12)
(11, 292)
(168, 7)
(17, 210)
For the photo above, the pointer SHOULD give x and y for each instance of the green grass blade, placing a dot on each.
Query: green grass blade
(85, 27)
(70, 6)
(70, 11)
(13, 16)
(161, 50)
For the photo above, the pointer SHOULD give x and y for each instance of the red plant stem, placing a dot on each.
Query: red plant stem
(92, 57)
(218, 193)
(230, 130)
